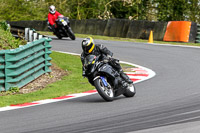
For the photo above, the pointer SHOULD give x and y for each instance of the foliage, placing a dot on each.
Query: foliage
(4, 25)
(7, 41)
(12, 90)
(172, 10)
(153, 10)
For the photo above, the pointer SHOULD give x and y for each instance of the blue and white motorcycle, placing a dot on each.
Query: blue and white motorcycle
(106, 79)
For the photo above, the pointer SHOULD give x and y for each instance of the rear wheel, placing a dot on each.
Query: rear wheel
(130, 91)
(59, 37)
(106, 92)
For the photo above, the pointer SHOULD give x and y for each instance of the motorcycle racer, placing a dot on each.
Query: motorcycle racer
(89, 47)
(52, 17)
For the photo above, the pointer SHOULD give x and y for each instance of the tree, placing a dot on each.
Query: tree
(169, 10)
(194, 11)
(152, 10)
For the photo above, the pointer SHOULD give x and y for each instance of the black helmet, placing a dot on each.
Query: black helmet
(88, 45)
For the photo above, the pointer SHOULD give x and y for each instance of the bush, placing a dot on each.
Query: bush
(4, 25)
(7, 41)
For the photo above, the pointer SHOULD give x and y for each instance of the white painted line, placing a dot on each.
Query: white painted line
(150, 72)
(173, 45)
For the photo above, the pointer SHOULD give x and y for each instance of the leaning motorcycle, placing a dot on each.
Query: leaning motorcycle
(63, 28)
(106, 79)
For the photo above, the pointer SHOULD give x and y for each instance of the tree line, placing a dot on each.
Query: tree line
(151, 10)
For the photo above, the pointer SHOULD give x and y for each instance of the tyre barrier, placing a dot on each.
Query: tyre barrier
(137, 29)
(112, 27)
(198, 34)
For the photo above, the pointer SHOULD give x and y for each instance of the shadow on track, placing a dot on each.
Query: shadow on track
(96, 99)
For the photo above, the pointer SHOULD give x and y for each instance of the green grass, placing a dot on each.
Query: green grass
(125, 39)
(72, 83)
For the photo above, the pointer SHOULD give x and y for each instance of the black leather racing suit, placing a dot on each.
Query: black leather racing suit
(100, 49)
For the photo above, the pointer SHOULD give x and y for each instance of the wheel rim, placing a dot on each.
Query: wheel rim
(108, 91)
(131, 88)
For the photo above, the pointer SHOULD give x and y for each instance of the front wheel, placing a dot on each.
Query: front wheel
(106, 92)
(71, 34)
(130, 91)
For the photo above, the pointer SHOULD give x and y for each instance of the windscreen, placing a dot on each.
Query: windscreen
(89, 59)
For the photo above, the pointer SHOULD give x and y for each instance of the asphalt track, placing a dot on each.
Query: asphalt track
(169, 102)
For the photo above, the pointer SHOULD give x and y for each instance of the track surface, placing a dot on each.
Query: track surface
(169, 102)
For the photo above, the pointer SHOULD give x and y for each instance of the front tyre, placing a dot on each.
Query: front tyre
(106, 92)
(71, 34)
(130, 91)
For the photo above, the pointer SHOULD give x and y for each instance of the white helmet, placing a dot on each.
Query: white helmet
(52, 9)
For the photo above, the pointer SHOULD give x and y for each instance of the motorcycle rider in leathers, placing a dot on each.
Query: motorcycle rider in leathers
(89, 47)
(52, 17)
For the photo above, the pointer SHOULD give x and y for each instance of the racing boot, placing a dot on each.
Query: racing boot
(125, 77)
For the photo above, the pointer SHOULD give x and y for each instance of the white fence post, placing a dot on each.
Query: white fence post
(26, 33)
(40, 36)
(30, 36)
(35, 36)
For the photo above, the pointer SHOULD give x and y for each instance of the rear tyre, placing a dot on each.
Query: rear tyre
(59, 37)
(106, 93)
(130, 91)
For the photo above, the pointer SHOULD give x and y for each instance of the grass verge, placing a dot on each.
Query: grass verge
(72, 83)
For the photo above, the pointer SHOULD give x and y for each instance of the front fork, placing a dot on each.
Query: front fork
(104, 80)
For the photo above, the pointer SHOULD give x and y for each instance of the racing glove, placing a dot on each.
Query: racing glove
(54, 26)
(107, 59)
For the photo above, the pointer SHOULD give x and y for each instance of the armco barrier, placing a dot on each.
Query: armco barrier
(35, 24)
(24, 64)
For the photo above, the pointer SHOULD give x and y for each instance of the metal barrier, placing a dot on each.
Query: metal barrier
(22, 65)
(28, 34)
